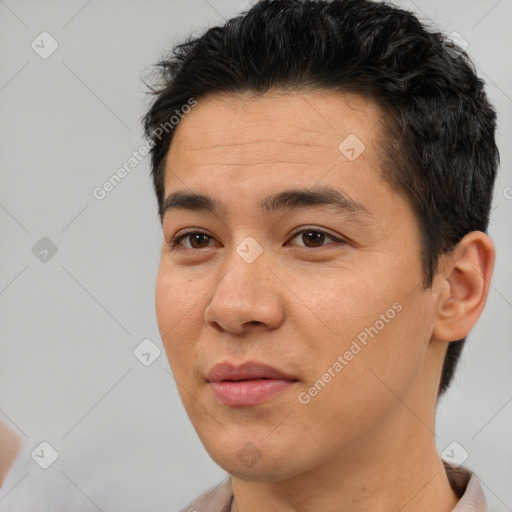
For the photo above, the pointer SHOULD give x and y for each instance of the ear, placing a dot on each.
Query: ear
(462, 283)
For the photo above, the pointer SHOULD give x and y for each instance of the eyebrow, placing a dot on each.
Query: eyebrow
(293, 199)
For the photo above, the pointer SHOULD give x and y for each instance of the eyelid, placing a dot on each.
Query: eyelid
(302, 229)
(174, 243)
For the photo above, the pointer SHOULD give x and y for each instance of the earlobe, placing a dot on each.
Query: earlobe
(463, 281)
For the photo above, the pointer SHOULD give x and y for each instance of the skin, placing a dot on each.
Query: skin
(366, 440)
(9, 447)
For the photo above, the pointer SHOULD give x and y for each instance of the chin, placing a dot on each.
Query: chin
(257, 469)
(259, 473)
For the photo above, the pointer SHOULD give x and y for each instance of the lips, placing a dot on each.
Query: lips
(247, 371)
(247, 385)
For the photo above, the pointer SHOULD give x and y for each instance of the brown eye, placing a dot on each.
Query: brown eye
(315, 237)
(196, 239)
(312, 238)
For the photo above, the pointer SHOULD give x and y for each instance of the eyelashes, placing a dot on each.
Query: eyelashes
(175, 243)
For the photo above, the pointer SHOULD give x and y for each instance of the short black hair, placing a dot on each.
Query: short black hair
(438, 135)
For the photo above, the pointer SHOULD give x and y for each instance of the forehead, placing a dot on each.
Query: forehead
(247, 158)
(305, 128)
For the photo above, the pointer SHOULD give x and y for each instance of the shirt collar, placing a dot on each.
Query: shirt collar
(467, 487)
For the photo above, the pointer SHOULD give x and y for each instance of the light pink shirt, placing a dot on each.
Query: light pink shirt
(464, 483)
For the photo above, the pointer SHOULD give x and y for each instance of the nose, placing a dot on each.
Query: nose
(247, 294)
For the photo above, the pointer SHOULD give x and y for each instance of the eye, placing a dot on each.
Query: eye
(194, 237)
(314, 237)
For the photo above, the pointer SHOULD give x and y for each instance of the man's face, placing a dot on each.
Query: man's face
(330, 296)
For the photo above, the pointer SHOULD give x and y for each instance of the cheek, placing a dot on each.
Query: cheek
(174, 317)
(378, 323)
(352, 302)
(393, 349)
(175, 297)
(372, 373)
(166, 305)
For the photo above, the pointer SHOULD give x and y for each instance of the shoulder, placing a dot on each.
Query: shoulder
(214, 499)
(467, 486)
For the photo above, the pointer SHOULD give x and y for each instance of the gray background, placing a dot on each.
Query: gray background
(68, 375)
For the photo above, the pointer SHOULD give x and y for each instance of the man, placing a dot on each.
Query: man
(324, 203)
